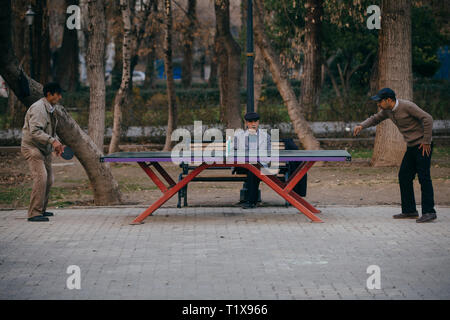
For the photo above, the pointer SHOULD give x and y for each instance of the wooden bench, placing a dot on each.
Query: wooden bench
(238, 175)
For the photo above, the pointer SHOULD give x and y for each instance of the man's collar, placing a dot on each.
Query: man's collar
(396, 105)
(50, 108)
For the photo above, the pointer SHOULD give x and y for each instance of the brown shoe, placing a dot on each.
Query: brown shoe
(426, 217)
(414, 215)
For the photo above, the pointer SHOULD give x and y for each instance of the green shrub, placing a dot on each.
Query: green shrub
(148, 107)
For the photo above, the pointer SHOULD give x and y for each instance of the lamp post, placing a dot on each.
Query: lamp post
(29, 16)
(250, 87)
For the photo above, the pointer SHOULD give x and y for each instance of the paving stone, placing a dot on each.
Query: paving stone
(224, 253)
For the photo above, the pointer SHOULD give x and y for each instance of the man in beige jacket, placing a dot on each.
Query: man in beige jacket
(38, 142)
(416, 127)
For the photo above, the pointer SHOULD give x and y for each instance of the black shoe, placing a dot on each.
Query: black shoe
(248, 205)
(413, 215)
(47, 214)
(426, 217)
(38, 219)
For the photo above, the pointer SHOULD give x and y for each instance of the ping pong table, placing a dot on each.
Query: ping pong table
(147, 160)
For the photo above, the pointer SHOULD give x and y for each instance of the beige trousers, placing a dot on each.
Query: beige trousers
(41, 170)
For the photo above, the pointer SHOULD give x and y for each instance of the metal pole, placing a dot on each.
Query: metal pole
(30, 28)
(250, 58)
(250, 87)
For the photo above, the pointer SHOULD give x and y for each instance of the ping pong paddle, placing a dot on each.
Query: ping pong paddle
(67, 153)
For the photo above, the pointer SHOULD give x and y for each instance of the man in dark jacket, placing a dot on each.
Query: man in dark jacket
(416, 127)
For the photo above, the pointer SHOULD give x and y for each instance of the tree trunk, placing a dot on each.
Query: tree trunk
(122, 96)
(150, 65)
(66, 64)
(41, 42)
(105, 188)
(258, 76)
(311, 76)
(229, 55)
(95, 63)
(168, 66)
(339, 96)
(212, 80)
(116, 73)
(222, 72)
(20, 43)
(395, 72)
(150, 40)
(139, 29)
(20, 32)
(373, 82)
(188, 43)
(301, 126)
(17, 111)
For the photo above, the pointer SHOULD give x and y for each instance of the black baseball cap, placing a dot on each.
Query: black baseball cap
(251, 116)
(384, 93)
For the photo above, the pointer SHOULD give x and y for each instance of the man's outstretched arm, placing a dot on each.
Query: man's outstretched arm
(370, 122)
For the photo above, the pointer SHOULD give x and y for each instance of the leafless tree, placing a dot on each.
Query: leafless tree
(134, 21)
(279, 75)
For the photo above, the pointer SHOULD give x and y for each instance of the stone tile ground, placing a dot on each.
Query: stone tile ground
(224, 253)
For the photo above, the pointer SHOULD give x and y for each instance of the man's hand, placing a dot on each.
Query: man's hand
(426, 148)
(59, 148)
(357, 130)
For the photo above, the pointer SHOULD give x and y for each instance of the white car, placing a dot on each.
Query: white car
(138, 77)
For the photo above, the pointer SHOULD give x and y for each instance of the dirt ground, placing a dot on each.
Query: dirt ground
(354, 184)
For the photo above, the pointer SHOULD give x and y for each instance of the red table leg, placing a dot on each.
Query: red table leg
(297, 175)
(163, 173)
(293, 198)
(283, 189)
(169, 193)
(304, 202)
(153, 176)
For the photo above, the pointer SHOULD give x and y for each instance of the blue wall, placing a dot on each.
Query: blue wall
(161, 72)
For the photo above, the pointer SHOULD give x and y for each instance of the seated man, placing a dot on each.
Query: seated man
(252, 139)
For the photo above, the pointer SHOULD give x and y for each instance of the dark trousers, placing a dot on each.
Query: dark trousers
(301, 186)
(252, 184)
(414, 163)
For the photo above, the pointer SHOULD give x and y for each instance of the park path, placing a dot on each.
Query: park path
(224, 253)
